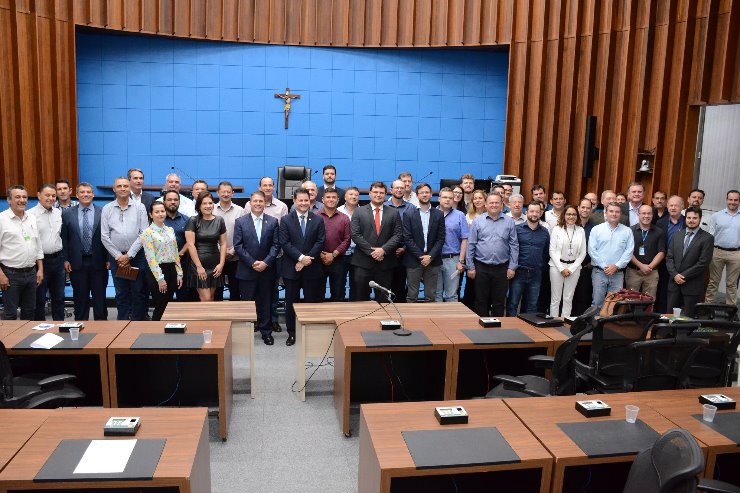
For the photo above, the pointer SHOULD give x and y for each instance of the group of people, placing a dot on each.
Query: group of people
(547, 256)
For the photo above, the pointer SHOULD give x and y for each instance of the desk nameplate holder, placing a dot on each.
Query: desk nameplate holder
(593, 408)
(719, 400)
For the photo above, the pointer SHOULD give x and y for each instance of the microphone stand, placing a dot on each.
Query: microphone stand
(402, 331)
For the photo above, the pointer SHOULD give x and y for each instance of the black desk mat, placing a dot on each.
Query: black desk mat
(610, 438)
(432, 449)
(168, 341)
(387, 338)
(67, 343)
(538, 321)
(727, 424)
(61, 464)
(497, 336)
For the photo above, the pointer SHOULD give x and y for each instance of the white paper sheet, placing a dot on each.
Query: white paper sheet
(42, 327)
(105, 456)
(47, 341)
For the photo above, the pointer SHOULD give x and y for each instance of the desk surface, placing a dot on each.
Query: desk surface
(331, 312)
(220, 328)
(16, 427)
(453, 327)
(351, 334)
(181, 464)
(105, 332)
(211, 310)
(7, 327)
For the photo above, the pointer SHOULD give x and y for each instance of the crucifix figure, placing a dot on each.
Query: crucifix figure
(287, 97)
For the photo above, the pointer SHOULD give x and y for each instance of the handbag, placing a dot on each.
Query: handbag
(611, 300)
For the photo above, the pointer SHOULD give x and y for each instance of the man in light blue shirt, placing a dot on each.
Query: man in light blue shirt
(610, 247)
(725, 226)
(453, 250)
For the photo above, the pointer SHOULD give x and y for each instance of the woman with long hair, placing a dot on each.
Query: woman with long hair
(476, 207)
(163, 258)
(205, 235)
(567, 251)
(457, 199)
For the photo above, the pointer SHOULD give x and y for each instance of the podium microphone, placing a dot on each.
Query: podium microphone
(420, 180)
(401, 331)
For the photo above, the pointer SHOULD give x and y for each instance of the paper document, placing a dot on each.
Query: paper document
(42, 327)
(105, 456)
(47, 341)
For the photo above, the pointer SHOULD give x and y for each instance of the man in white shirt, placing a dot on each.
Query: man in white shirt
(230, 212)
(558, 204)
(49, 222)
(136, 179)
(21, 256)
(408, 192)
(187, 205)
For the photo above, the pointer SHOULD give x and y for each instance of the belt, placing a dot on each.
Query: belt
(567, 261)
(727, 249)
(597, 267)
(52, 255)
(450, 255)
(22, 269)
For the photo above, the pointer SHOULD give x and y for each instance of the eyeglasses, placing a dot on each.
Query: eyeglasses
(457, 193)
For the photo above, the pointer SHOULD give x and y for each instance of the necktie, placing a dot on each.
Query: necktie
(86, 232)
(377, 221)
(303, 225)
(687, 241)
(258, 228)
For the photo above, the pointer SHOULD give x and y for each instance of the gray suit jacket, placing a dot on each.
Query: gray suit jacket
(693, 264)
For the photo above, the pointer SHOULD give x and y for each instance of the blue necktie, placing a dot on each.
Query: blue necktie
(86, 232)
(258, 228)
(303, 225)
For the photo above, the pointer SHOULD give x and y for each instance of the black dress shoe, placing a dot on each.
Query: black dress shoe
(276, 327)
(268, 340)
(290, 341)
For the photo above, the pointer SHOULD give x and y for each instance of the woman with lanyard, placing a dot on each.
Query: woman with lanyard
(163, 258)
(567, 251)
(476, 207)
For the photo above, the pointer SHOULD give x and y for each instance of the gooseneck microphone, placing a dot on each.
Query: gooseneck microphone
(402, 331)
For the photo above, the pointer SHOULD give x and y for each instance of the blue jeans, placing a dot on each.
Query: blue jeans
(54, 279)
(131, 299)
(605, 284)
(448, 280)
(525, 280)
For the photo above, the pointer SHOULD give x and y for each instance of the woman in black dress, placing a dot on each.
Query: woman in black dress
(205, 235)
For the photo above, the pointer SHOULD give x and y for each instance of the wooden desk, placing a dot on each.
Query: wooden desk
(241, 314)
(474, 364)
(184, 464)
(203, 377)
(542, 415)
(7, 327)
(410, 373)
(89, 364)
(386, 464)
(16, 427)
(315, 324)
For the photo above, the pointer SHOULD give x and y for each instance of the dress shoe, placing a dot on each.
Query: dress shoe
(276, 327)
(268, 340)
(290, 341)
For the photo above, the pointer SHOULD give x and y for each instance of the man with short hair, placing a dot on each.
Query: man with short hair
(593, 198)
(725, 226)
(649, 251)
(689, 255)
(408, 192)
(136, 179)
(696, 199)
(467, 183)
(635, 194)
(540, 193)
(336, 244)
(583, 294)
(314, 205)
(398, 202)
(64, 194)
(671, 223)
(230, 212)
(660, 199)
(557, 201)
(508, 192)
(85, 257)
(492, 257)
(49, 222)
(199, 187)
(329, 173)
(533, 240)
(424, 236)
(516, 206)
(187, 205)
(610, 246)
(453, 250)
(21, 256)
(599, 216)
(177, 222)
(351, 201)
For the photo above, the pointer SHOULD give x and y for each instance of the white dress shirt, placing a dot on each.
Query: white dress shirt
(20, 246)
(49, 222)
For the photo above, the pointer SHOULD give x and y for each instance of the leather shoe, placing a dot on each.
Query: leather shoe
(268, 340)
(276, 327)
(290, 341)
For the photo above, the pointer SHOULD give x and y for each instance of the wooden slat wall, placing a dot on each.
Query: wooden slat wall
(643, 67)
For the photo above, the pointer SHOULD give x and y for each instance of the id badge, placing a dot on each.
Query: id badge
(641, 251)
(26, 236)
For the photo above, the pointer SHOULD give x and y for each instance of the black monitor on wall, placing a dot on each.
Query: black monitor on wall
(590, 151)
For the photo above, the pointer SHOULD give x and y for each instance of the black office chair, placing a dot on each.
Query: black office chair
(716, 311)
(563, 379)
(661, 364)
(672, 465)
(34, 391)
(291, 178)
(714, 364)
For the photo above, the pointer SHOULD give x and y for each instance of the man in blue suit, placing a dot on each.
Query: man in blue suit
(424, 236)
(256, 244)
(84, 255)
(302, 236)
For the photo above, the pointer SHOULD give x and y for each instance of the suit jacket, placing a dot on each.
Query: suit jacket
(693, 264)
(413, 237)
(365, 237)
(598, 218)
(147, 199)
(294, 245)
(340, 192)
(249, 250)
(72, 239)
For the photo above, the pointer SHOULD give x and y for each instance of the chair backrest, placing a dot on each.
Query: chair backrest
(6, 374)
(661, 364)
(291, 178)
(632, 306)
(713, 364)
(715, 311)
(672, 464)
(563, 374)
(612, 337)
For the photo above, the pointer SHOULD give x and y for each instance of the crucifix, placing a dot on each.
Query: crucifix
(287, 97)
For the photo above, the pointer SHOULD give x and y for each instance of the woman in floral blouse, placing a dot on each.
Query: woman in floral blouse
(160, 248)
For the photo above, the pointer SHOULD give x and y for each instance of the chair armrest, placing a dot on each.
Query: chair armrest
(542, 360)
(56, 380)
(14, 401)
(508, 380)
(714, 486)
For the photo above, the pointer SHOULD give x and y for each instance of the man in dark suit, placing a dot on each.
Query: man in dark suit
(376, 231)
(424, 236)
(302, 235)
(689, 255)
(85, 257)
(256, 244)
(330, 182)
(136, 178)
(599, 216)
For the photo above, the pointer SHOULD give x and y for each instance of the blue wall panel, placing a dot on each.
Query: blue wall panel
(209, 108)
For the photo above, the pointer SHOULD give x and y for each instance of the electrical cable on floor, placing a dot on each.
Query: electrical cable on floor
(177, 385)
(393, 372)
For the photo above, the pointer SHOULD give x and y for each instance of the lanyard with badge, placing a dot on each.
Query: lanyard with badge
(641, 251)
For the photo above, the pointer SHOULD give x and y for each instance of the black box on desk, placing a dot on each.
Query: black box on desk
(70, 325)
(175, 328)
(489, 322)
(451, 415)
(593, 408)
(390, 324)
(720, 400)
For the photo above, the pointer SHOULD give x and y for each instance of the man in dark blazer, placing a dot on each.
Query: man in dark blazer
(689, 255)
(424, 239)
(376, 231)
(599, 216)
(257, 244)
(330, 182)
(85, 257)
(302, 235)
(136, 179)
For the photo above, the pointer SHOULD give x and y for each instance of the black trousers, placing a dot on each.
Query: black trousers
(260, 291)
(233, 283)
(161, 299)
(350, 270)
(490, 289)
(337, 276)
(313, 292)
(584, 293)
(364, 276)
(398, 282)
(676, 299)
(54, 279)
(86, 282)
(21, 292)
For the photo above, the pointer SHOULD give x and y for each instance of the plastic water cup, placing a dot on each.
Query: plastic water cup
(207, 336)
(709, 412)
(676, 312)
(632, 413)
(74, 333)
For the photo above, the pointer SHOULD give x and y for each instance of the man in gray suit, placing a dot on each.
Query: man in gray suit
(376, 231)
(689, 255)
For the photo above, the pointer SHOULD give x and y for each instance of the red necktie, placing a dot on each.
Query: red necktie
(377, 221)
